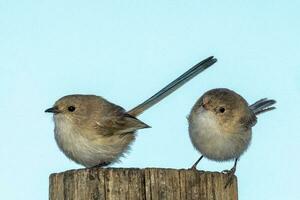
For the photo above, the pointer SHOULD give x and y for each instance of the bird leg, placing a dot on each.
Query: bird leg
(230, 174)
(194, 167)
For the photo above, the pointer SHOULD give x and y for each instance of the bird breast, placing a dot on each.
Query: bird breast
(212, 141)
(78, 145)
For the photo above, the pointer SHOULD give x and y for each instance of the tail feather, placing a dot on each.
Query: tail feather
(262, 106)
(174, 85)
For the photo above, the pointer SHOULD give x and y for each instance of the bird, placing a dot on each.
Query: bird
(220, 125)
(95, 132)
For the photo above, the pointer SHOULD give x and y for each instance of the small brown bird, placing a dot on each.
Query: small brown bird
(95, 132)
(220, 125)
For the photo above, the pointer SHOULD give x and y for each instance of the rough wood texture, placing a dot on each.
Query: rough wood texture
(144, 184)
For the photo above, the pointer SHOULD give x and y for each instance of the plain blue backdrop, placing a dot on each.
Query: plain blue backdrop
(126, 51)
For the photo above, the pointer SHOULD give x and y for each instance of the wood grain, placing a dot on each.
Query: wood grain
(140, 184)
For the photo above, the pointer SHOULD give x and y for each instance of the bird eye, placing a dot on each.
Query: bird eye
(222, 110)
(71, 108)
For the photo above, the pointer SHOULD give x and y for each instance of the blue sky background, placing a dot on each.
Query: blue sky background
(126, 51)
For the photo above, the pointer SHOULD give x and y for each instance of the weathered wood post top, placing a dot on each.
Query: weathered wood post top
(142, 184)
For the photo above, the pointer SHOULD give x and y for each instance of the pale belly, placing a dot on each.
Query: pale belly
(211, 142)
(90, 152)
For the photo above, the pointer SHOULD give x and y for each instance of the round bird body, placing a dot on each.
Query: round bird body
(92, 131)
(220, 125)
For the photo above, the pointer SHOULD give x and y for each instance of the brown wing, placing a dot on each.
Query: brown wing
(248, 121)
(117, 121)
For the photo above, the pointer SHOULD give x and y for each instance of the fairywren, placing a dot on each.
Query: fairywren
(95, 132)
(220, 125)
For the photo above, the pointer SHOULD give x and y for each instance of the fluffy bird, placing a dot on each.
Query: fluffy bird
(220, 125)
(95, 132)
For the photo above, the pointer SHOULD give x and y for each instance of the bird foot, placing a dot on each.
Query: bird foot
(230, 176)
(101, 165)
(194, 167)
(226, 171)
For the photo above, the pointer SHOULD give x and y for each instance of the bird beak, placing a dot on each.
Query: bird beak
(203, 105)
(54, 110)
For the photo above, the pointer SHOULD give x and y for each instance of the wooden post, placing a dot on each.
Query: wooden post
(144, 184)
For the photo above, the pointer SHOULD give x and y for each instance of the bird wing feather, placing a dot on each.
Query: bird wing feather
(117, 121)
(248, 121)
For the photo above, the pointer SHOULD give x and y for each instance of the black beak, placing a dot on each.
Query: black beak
(53, 110)
(203, 105)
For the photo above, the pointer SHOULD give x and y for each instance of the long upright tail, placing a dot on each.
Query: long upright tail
(262, 106)
(174, 85)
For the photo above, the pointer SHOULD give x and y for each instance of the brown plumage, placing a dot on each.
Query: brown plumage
(220, 125)
(95, 132)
